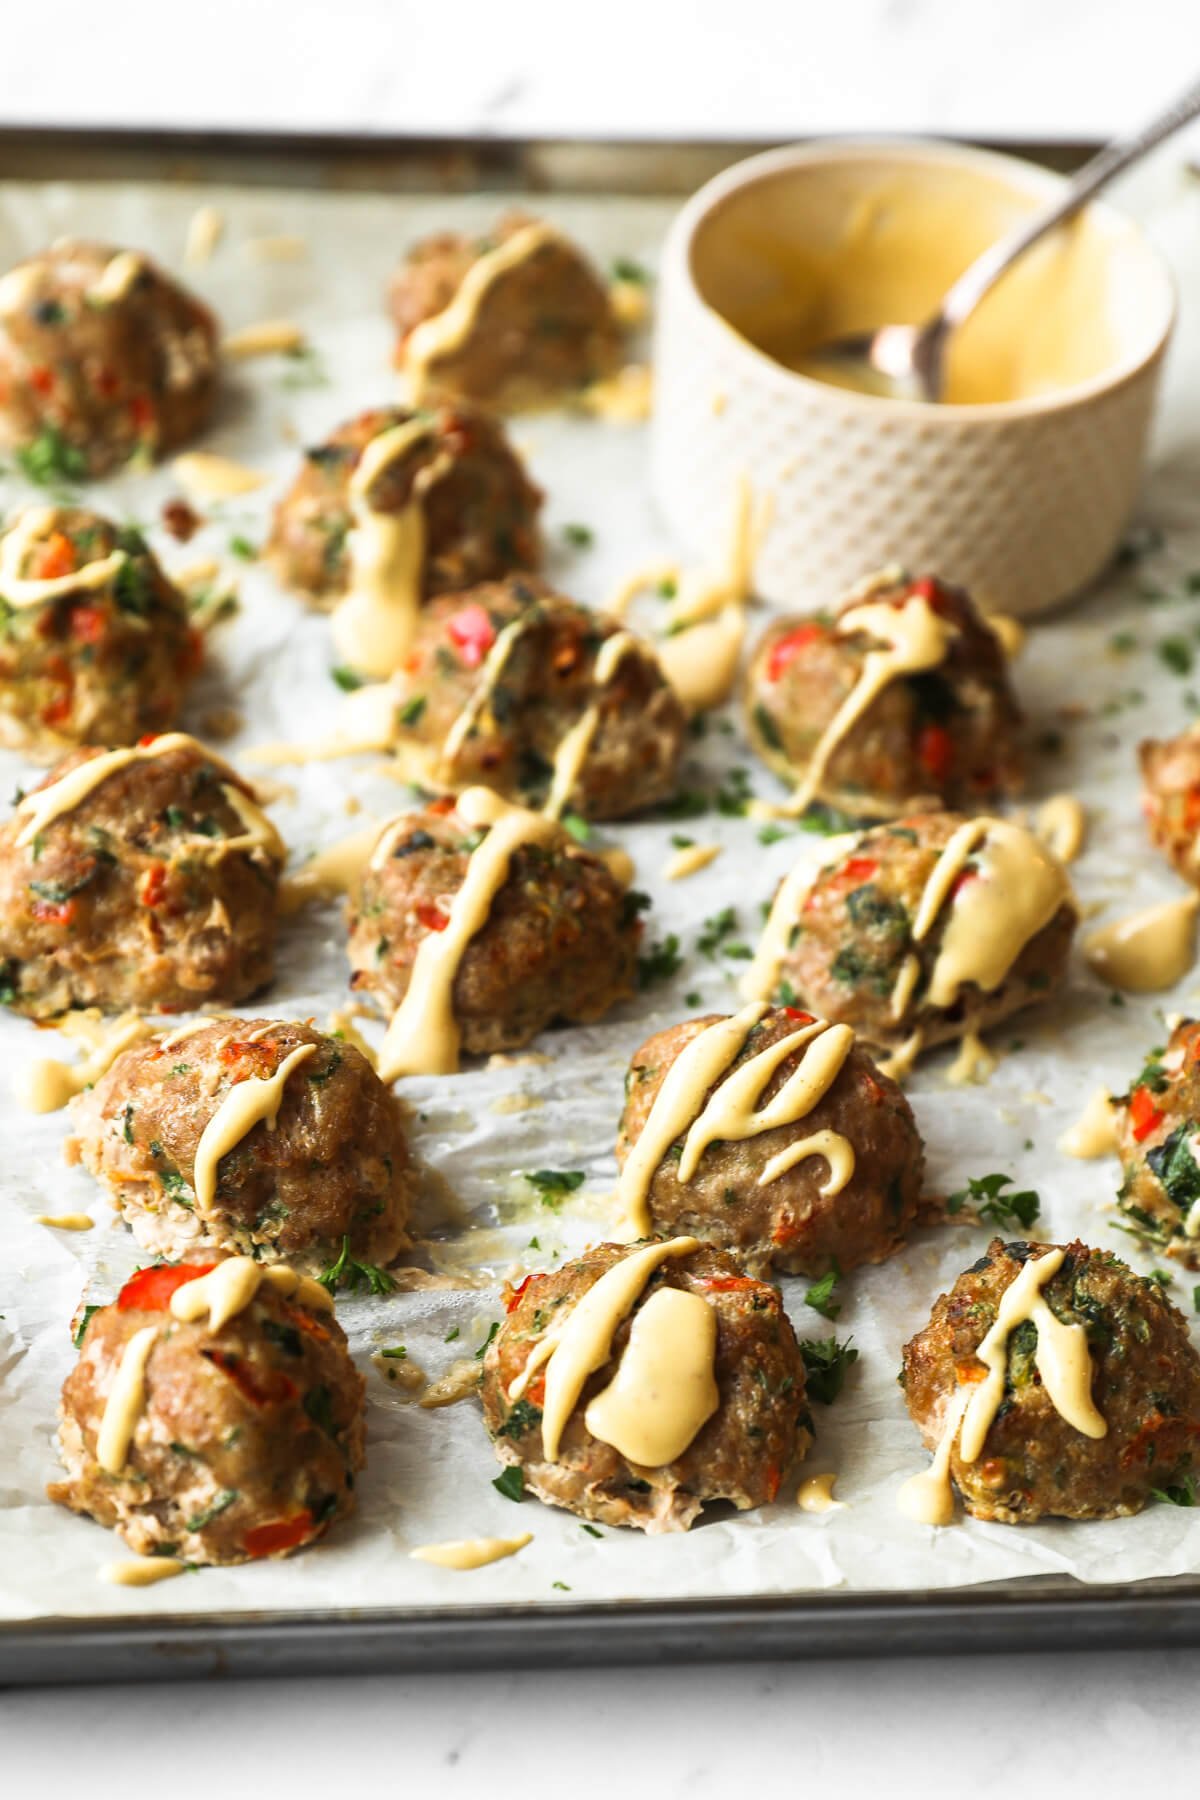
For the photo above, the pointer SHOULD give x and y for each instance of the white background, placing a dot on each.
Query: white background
(762, 68)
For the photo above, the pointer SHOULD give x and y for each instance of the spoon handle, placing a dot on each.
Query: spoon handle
(1095, 174)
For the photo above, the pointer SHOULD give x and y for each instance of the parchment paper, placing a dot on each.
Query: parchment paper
(429, 1474)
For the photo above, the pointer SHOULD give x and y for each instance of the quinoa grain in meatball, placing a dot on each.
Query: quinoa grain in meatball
(902, 696)
(1140, 1386)
(851, 1194)
(95, 646)
(514, 319)
(320, 1163)
(699, 1397)
(1158, 1138)
(246, 1431)
(144, 877)
(103, 359)
(478, 507)
(502, 681)
(1171, 799)
(552, 934)
(921, 931)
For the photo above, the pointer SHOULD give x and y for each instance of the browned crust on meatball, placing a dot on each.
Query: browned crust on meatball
(97, 383)
(856, 931)
(479, 506)
(560, 942)
(100, 665)
(544, 688)
(1157, 1122)
(334, 1171)
(121, 902)
(1034, 1465)
(742, 1453)
(545, 329)
(947, 737)
(256, 1425)
(789, 1224)
(1171, 799)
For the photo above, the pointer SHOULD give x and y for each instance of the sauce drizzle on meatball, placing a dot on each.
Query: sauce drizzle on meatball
(446, 331)
(373, 624)
(664, 1388)
(228, 1289)
(34, 526)
(256, 1100)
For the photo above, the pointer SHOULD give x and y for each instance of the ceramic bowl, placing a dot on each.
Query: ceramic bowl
(1022, 499)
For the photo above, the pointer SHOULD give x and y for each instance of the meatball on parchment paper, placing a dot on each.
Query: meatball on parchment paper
(514, 1154)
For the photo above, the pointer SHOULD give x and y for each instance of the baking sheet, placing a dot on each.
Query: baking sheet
(429, 1474)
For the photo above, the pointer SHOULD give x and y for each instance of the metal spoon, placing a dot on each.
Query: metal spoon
(908, 361)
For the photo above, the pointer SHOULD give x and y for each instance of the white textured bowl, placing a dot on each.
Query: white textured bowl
(1023, 501)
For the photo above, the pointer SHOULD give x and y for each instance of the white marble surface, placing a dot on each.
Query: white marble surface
(1048, 68)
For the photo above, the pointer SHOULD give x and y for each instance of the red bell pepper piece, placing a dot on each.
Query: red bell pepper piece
(786, 649)
(278, 1534)
(472, 633)
(1145, 1115)
(150, 1290)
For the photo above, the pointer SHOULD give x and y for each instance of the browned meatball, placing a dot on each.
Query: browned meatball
(515, 319)
(1034, 1464)
(248, 1437)
(103, 359)
(788, 1223)
(155, 886)
(742, 1451)
(479, 506)
(1171, 799)
(332, 1171)
(946, 736)
(560, 941)
(496, 680)
(998, 941)
(1158, 1137)
(96, 645)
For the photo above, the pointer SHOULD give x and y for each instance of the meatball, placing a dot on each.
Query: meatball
(329, 1170)
(814, 1215)
(755, 1419)
(1033, 1463)
(103, 360)
(249, 1431)
(478, 505)
(499, 685)
(558, 941)
(97, 647)
(518, 318)
(145, 877)
(944, 733)
(1158, 1139)
(922, 931)
(1171, 799)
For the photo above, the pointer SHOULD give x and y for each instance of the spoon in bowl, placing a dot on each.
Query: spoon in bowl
(908, 361)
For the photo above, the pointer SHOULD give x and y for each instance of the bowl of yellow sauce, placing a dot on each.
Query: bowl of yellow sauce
(1018, 485)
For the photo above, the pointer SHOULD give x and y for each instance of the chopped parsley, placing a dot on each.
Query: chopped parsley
(395, 1352)
(580, 537)
(826, 1362)
(346, 1272)
(993, 1205)
(87, 1312)
(523, 1417)
(223, 1501)
(660, 962)
(590, 1529)
(493, 1328)
(1177, 653)
(50, 460)
(626, 269)
(576, 827)
(715, 931)
(412, 709)
(1176, 1168)
(1179, 1493)
(820, 1295)
(242, 547)
(552, 1185)
(511, 1482)
(347, 679)
(450, 1335)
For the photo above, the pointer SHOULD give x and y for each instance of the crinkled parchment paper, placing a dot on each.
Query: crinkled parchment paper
(429, 1474)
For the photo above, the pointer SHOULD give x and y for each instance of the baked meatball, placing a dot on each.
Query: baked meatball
(1158, 1139)
(921, 931)
(559, 939)
(149, 881)
(478, 505)
(248, 1434)
(1171, 799)
(499, 679)
(515, 319)
(755, 1418)
(1033, 1463)
(944, 734)
(807, 1218)
(103, 360)
(328, 1170)
(96, 645)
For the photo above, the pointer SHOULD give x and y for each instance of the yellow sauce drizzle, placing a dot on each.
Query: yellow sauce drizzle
(229, 1288)
(65, 1221)
(900, 1061)
(209, 477)
(141, 1571)
(337, 870)
(572, 749)
(46, 1085)
(731, 1115)
(906, 982)
(651, 578)
(816, 1495)
(249, 1103)
(689, 860)
(32, 527)
(664, 1388)
(974, 1062)
(1009, 633)
(1147, 951)
(1062, 1359)
(471, 1553)
(625, 398)
(126, 1398)
(701, 662)
(761, 978)
(1094, 1133)
(1061, 823)
(204, 231)
(116, 278)
(373, 624)
(447, 331)
(703, 594)
(270, 337)
(423, 1037)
